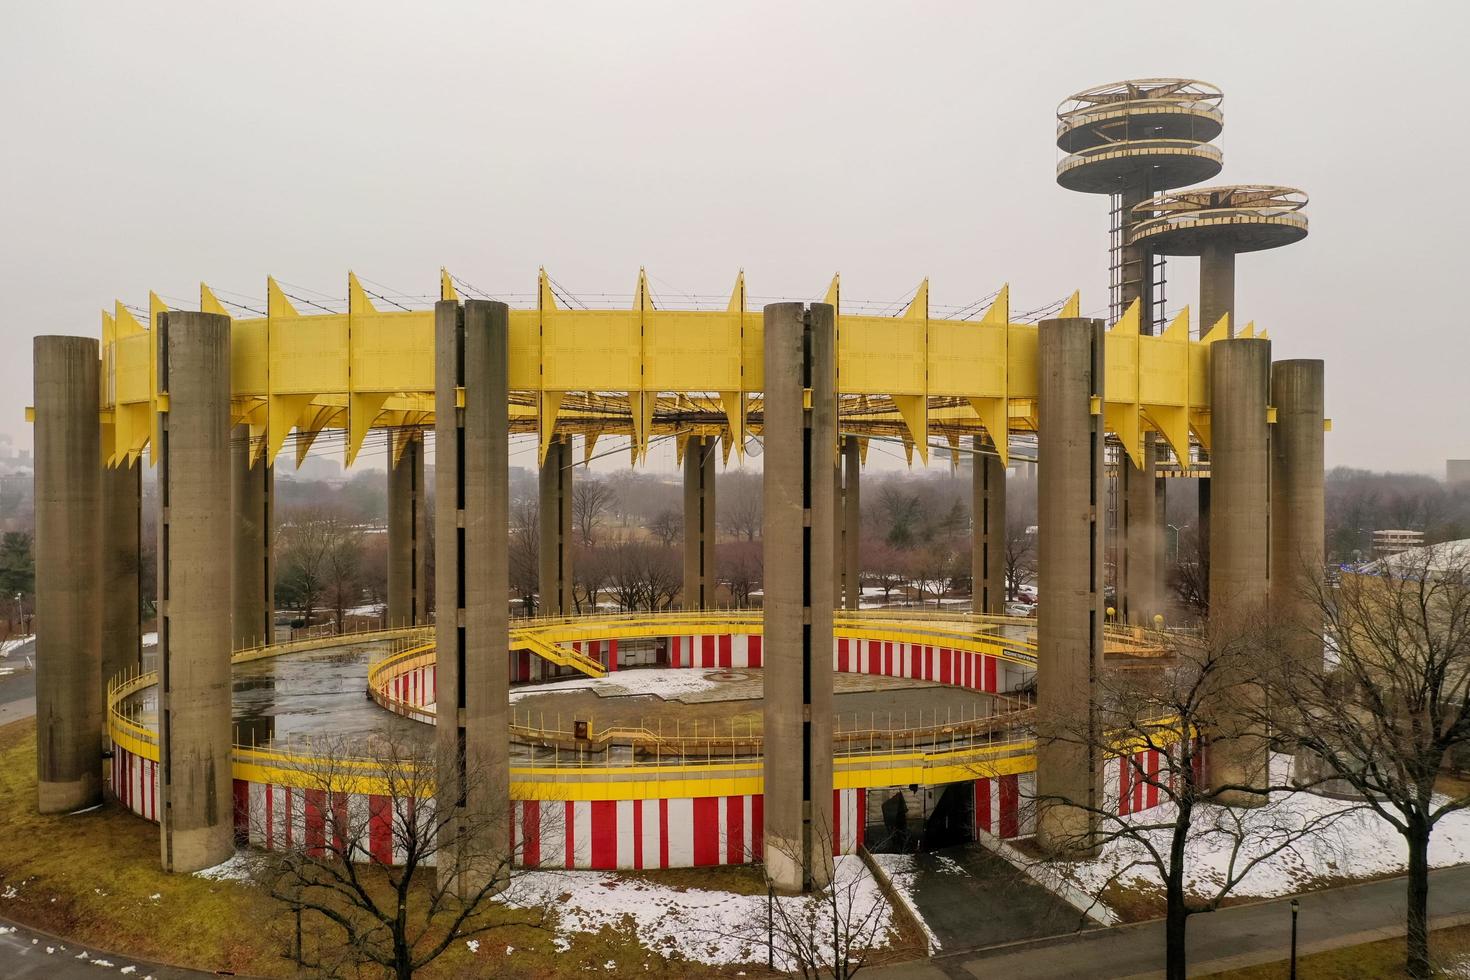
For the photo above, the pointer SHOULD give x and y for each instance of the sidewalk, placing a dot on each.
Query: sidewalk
(1228, 939)
(27, 953)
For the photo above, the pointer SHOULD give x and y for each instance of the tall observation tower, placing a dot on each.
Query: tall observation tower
(1130, 141)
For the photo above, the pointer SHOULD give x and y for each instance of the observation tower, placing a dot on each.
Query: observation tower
(1217, 223)
(1131, 140)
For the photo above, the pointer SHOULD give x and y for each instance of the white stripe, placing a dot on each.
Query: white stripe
(582, 825)
(1026, 786)
(723, 819)
(681, 833)
(626, 833)
(649, 830)
(359, 836)
(994, 827)
(747, 843)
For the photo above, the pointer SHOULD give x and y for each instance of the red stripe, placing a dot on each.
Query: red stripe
(663, 833)
(637, 831)
(944, 655)
(571, 832)
(316, 801)
(380, 829)
(1010, 808)
(605, 834)
(707, 651)
(888, 658)
(757, 827)
(842, 654)
(725, 648)
(531, 831)
(612, 655)
(1153, 773)
(862, 815)
(753, 651)
(1125, 794)
(706, 831)
(990, 684)
(982, 804)
(270, 817)
(734, 830)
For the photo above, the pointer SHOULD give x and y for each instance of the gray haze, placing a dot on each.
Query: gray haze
(155, 146)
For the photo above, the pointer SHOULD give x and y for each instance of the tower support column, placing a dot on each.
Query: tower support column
(851, 508)
(555, 515)
(1138, 565)
(699, 522)
(1297, 507)
(1240, 372)
(472, 583)
(69, 709)
(252, 586)
(122, 614)
(1216, 284)
(1070, 474)
(196, 826)
(988, 515)
(408, 535)
(797, 491)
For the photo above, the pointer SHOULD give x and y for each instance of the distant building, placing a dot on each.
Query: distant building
(1457, 472)
(1392, 542)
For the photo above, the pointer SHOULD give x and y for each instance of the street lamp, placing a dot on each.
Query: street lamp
(1295, 908)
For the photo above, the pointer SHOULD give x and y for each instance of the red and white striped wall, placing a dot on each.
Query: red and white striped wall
(281, 817)
(1141, 781)
(526, 666)
(1004, 805)
(135, 783)
(413, 691)
(668, 833)
(957, 668)
(714, 651)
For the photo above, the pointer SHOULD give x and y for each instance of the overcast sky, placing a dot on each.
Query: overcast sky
(155, 146)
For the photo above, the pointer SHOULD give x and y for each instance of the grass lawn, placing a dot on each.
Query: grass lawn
(95, 878)
(1385, 958)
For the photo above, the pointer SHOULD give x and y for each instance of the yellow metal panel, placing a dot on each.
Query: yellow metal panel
(591, 350)
(752, 351)
(881, 355)
(525, 350)
(1022, 364)
(249, 362)
(308, 354)
(691, 351)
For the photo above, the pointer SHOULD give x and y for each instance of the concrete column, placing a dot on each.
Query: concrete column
(1240, 371)
(122, 614)
(852, 518)
(194, 778)
(472, 583)
(253, 583)
(1138, 559)
(69, 710)
(988, 515)
(555, 566)
(1297, 509)
(699, 522)
(800, 447)
(408, 536)
(1137, 266)
(1070, 477)
(1216, 285)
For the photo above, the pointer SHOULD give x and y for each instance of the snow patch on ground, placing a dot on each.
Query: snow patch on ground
(1353, 844)
(150, 640)
(237, 868)
(14, 643)
(669, 684)
(712, 927)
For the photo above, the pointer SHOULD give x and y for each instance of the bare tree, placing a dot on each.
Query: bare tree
(319, 553)
(667, 528)
(589, 577)
(739, 505)
(1389, 710)
(524, 547)
(643, 575)
(591, 501)
(1150, 714)
(934, 566)
(883, 564)
(740, 564)
(828, 933)
(1020, 556)
(382, 883)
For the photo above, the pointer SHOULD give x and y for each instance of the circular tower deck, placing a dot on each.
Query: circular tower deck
(1244, 218)
(1161, 127)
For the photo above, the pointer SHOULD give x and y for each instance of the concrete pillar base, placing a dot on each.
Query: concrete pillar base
(79, 794)
(1067, 833)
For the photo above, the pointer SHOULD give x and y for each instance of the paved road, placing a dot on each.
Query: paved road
(1228, 939)
(26, 953)
(969, 897)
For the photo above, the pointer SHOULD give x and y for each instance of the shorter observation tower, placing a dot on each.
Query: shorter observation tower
(1131, 140)
(1217, 223)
